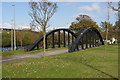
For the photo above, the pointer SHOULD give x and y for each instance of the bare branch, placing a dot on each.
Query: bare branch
(41, 12)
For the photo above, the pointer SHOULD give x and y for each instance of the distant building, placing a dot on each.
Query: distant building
(112, 41)
(25, 30)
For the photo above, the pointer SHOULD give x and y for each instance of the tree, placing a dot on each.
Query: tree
(83, 21)
(19, 38)
(117, 30)
(27, 40)
(41, 12)
(6, 39)
(115, 9)
(117, 25)
(107, 27)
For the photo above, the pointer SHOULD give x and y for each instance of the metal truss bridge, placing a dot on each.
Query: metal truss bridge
(87, 38)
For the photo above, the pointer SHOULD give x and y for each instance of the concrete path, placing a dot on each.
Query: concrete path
(36, 55)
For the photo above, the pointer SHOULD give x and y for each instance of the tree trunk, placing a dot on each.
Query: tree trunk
(44, 34)
(106, 35)
(21, 43)
(106, 39)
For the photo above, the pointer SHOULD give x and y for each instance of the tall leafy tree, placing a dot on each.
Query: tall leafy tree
(83, 21)
(117, 29)
(19, 38)
(41, 13)
(117, 25)
(107, 26)
(27, 40)
(6, 39)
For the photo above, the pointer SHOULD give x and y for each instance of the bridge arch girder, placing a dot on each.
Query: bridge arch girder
(32, 46)
(92, 32)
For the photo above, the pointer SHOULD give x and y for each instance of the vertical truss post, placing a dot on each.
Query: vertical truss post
(72, 38)
(96, 40)
(68, 39)
(37, 46)
(58, 39)
(46, 44)
(90, 38)
(86, 40)
(82, 44)
(93, 39)
(99, 42)
(53, 40)
(77, 47)
(64, 38)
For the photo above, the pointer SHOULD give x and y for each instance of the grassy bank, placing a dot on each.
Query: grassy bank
(90, 63)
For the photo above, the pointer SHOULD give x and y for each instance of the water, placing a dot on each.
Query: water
(9, 49)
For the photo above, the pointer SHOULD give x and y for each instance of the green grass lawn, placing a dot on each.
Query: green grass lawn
(18, 52)
(90, 63)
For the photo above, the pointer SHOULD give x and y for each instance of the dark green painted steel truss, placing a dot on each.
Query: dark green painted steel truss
(87, 38)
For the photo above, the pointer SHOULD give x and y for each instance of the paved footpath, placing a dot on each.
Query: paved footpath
(36, 55)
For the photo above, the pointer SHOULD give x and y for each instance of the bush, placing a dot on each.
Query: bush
(6, 39)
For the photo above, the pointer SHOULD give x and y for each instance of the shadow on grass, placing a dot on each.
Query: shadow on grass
(84, 62)
(100, 71)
